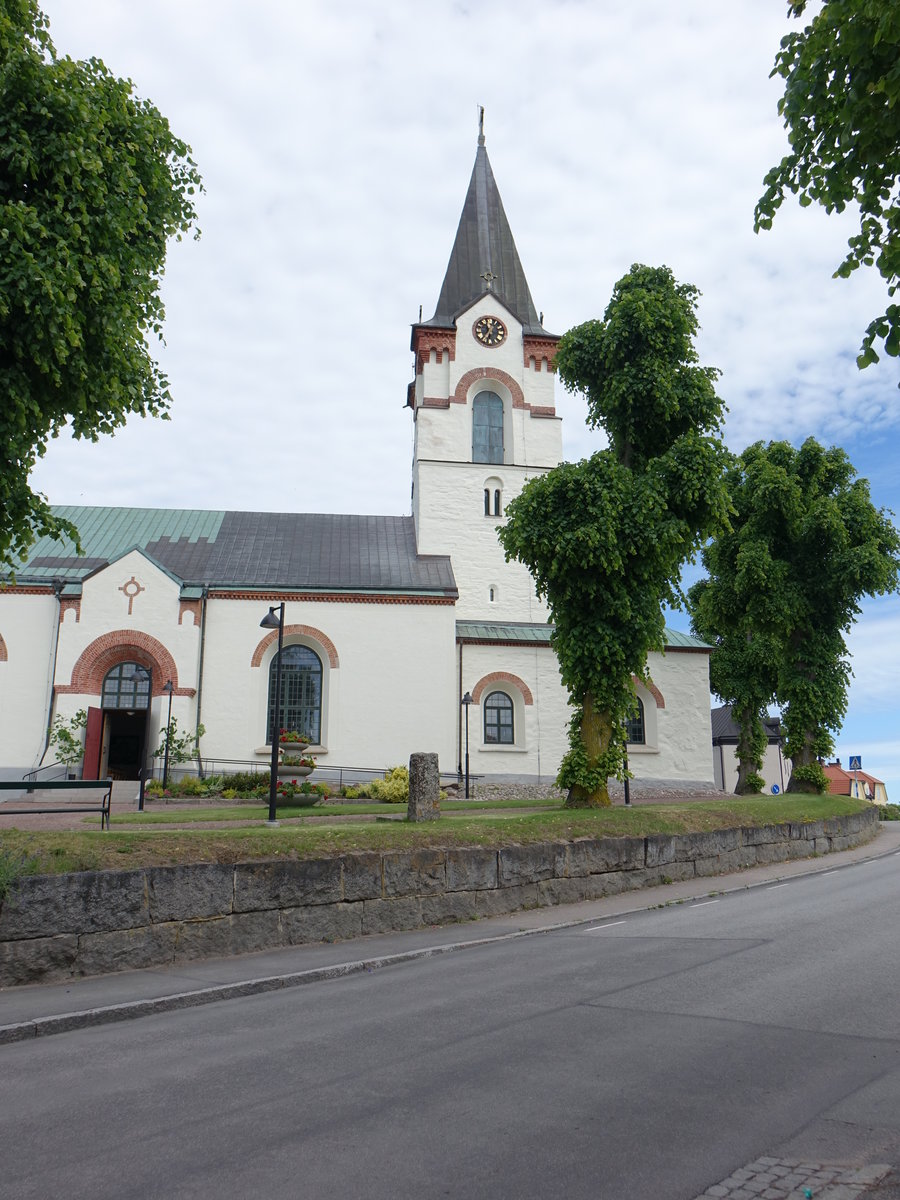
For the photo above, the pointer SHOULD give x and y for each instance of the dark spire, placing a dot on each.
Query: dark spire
(484, 256)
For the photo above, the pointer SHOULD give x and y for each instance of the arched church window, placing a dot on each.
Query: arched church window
(497, 503)
(487, 428)
(487, 502)
(126, 686)
(636, 735)
(498, 719)
(301, 692)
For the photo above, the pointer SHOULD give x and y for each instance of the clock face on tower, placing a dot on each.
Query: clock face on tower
(489, 331)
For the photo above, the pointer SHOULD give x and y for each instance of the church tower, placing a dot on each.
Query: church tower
(483, 403)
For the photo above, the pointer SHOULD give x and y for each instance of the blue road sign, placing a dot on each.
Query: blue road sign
(855, 762)
(775, 789)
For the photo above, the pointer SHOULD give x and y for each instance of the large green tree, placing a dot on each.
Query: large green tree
(730, 609)
(605, 538)
(841, 107)
(806, 544)
(92, 185)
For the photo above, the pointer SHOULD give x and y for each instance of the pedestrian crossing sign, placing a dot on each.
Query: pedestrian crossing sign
(855, 762)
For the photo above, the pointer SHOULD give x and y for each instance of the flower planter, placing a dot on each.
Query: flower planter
(298, 801)
(293, 772)
(292, 747)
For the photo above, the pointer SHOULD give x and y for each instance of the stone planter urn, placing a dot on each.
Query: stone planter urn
(293, 772)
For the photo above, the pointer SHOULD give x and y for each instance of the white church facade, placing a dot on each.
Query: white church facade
(389, 621)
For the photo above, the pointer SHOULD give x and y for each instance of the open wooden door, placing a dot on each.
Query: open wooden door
(93, 738)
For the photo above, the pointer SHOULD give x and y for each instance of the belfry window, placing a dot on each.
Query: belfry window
(301, 692)
(487, 428)
(497, 503)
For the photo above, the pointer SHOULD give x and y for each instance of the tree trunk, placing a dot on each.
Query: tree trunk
(596, 731)
(748, 758)
(804, 759)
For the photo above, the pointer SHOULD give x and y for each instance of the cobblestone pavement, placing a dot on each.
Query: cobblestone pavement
(792, 1179)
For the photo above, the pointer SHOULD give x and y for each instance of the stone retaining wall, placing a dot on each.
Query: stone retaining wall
(54, 927)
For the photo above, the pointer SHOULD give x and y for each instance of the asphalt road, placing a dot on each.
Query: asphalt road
(640, 1057)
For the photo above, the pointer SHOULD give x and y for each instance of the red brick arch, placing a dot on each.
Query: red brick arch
(461, 391)
(652, 689)
(305, 631)
(123, 645)
(3, 654)
(501, 677)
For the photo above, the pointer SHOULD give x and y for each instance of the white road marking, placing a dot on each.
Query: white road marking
(702, 902)
(597, 928)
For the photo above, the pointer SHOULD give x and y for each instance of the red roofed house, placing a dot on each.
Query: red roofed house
(854, 783)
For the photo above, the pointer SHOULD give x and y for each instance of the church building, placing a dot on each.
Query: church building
(389, 621)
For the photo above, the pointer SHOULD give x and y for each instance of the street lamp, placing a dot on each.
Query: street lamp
(169, 687)
(137, 672)
(273, 621)
(465, 702)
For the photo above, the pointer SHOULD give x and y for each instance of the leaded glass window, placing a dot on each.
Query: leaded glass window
(635, 727)
(126, 686)
(487, 428)
(498, 719)
(301, 692)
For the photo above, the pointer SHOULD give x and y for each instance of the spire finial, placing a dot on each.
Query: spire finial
(481, 125)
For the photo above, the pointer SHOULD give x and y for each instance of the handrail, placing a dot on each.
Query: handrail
(33, 774)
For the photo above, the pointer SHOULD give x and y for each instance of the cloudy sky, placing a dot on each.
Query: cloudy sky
(336, 142)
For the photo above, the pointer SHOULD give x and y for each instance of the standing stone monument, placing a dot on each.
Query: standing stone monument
(424, 788)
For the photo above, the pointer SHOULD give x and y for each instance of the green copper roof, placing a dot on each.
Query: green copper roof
(521, 631)
(510, 631)
(106, 533)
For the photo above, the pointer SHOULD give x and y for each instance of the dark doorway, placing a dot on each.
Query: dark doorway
(125, 736)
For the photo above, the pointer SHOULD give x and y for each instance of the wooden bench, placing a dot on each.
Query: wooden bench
(102, 806)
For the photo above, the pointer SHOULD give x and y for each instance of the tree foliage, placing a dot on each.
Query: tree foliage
(841, 106)
(806, 544)
(728, 610)
(92, 185)
(605, 538)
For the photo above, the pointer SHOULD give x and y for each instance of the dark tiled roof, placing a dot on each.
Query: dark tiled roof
(528, 631)
(484, 243)
(248, 550)
(724, 727)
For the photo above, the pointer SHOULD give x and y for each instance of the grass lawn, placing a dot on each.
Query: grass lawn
(142, 843)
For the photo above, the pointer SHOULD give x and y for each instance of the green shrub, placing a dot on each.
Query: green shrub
(813, 776)
(889, 812)
(394, 788)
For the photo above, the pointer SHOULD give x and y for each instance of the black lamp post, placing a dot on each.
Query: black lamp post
(141, 672)
(465, 702)
(273, 621)
(168, 687)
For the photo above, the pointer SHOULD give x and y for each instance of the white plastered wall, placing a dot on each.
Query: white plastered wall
(28, 628)
(154, 614)
(684, 726)
(389, 695)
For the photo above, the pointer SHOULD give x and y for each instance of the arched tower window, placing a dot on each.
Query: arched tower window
(497, 512)
(487, 502)
(487, 428)
(301, 692)
(636, 735)
(498, 720)
(126, 686)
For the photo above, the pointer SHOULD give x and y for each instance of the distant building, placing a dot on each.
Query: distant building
(776, 769)
(860, 784)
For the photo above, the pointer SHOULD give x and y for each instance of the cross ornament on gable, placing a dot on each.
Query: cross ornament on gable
(489, 277)
(131, 589)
